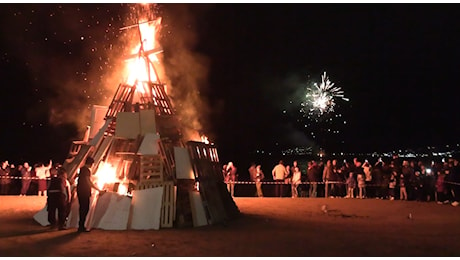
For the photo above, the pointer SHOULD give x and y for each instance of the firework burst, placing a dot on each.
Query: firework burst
(320, 99)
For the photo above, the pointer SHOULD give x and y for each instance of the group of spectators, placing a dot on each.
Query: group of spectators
(397, 179)
(393, 179)
(17, 180)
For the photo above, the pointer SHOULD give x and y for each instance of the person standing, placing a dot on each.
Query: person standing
(58, 199)
(5, 178)
(351, 186)
(295, 180)
(26, 175)
(402, 187)
(361, 180)
(367, 169)
(328, 177)
(230, 178)
(314, 176)
(84, 187)
(257, 176)
(279, 172)
(392, 185)
(42, 172)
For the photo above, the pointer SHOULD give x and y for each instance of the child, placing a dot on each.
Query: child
(392, 185)
(361, 185)
(351, 185)
(441, 190)
(402, 188)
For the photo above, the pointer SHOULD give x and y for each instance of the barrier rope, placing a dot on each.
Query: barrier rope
(234, 182)
(20, 178)
(320, 182)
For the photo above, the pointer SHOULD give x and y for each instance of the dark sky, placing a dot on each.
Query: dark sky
(250, 65)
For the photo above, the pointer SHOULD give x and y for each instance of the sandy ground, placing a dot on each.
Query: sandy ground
(267, 227)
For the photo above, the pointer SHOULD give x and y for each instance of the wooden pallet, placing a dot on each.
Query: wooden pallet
(168, 205)
(151, 168)
(184, 215)
(123, 96)
(217, 201)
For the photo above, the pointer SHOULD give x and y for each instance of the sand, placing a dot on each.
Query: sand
(266, 227)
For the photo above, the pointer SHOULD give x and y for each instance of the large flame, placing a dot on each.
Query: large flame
(107, 174)
(140, 68)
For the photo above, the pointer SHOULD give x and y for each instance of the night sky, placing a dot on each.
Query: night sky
(245, 68)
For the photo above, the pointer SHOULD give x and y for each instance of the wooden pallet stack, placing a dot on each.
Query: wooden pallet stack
(217, 201)
(142, 109)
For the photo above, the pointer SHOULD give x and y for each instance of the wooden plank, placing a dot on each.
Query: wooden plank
(168, 207)
(184, 169)
(212, 202)
(198, 211)
(128, 125)
(100, 134)
(168, 163)
(71, 166)
(102, 149)
(151, 168)
(147, 122)
(184, 215)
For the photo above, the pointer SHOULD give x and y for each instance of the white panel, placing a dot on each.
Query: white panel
(74, 215)
(198, 213)
(146, 208)
(115, 209)
(147, 121)
(92, 214)
(42, 217)
(184, 168)
(100, 134)
(97, 119)
(128, 125)
(149, 145)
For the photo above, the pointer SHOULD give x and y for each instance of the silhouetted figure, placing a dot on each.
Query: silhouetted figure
(84, 187)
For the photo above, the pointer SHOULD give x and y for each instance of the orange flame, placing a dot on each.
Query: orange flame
(107, 174)
(204, 139)
(141, 67)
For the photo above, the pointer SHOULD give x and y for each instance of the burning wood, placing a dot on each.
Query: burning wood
(139, 145)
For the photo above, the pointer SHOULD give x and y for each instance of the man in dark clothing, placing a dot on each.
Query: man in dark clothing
(5, 178)
(26, 174)
(84, 187)
(58, 198)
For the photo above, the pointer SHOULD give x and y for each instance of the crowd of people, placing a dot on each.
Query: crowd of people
(393, 179)
(17, 180)
(51, 181)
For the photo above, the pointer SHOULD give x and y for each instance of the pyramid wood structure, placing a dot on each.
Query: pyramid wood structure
(142, 115)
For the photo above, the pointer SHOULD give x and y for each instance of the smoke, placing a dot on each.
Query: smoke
(186, 70)
(70, 54)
